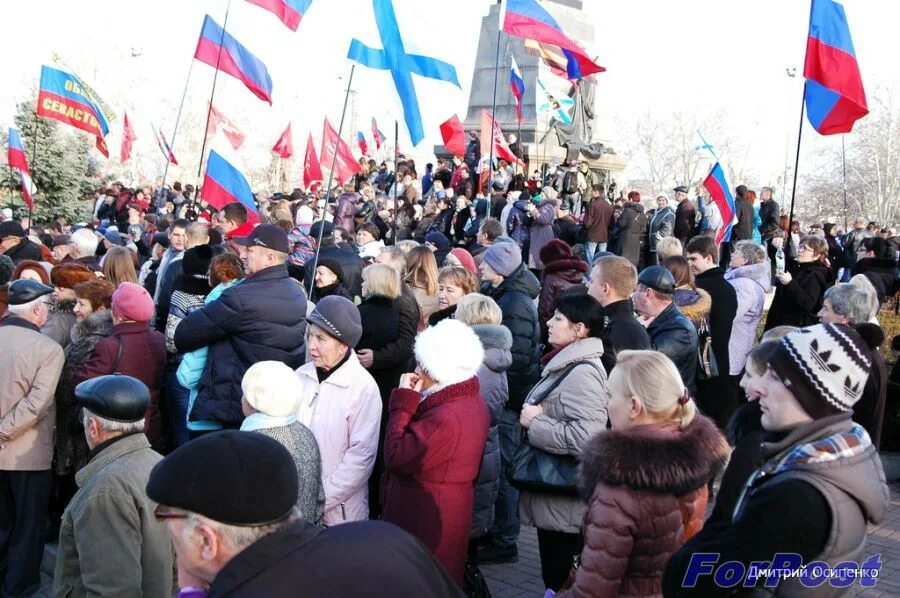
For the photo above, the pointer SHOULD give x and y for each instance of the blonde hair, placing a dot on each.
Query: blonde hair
(653, 378)
(197, 233)
(777, 333)
(118, 266)
(667, 247)
(422, 272)
(478, 309)
(382, 281)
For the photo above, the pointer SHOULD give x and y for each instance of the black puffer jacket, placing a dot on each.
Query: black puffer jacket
(882, 273)
(515, 296)
(497, 342)
(350, 264)
(672, 334)
(261, 319)
(798, 302)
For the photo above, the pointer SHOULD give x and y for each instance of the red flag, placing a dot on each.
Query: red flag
(312, 171)
(345, 165)
(454, 136)
(232, 132)
(128, 138)
(284, 147)
(501, 149)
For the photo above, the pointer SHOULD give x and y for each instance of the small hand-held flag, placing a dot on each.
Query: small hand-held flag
(218, 121)
(61, 97)
(312, 171)
(290, 12)
(128, 138)
(224, 184)
(517, 86)
(16, 159)
(361, 142)
(377, 134)
(834, 94)
(164, 146)
(284, 147)
(217, 48)
(718, 189)
(528, 19)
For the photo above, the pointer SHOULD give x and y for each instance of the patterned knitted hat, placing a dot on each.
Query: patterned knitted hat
(824, 366)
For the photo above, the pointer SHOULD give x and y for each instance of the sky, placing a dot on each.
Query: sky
(662, 56)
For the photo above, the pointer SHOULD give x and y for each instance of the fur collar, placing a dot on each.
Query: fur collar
(656, 457)
(571, 269)
(694, 304)
(493, 336)
(98, 323)
(62, 307)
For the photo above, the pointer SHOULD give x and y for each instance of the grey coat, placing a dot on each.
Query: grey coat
(572, 413)
(542, 230)
(497, 343)
(59, 322)
(661, 225)
(302, 445)
(110, 543)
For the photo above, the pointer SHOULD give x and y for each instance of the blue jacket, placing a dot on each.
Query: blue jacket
(261, 319)
(673, 335)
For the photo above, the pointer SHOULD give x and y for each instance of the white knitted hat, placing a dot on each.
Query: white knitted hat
(271, 387)
(449, 351)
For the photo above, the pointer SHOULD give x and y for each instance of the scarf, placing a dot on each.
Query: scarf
(261, 421)
(843, 445)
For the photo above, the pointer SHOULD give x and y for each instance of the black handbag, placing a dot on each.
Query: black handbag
(707, 367)
(474, 583)
(534, 470)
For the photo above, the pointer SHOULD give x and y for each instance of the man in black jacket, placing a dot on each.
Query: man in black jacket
(685, 216)
(508, 282)
(769, 214)
(744, 211)
(15, 245)
(350, 262)
(717, 396)
(255, 543)
(613, 280)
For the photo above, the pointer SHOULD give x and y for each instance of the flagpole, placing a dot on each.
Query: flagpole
(490, 165)
(312, 284)
(797, 161)
(396, 165)
(34, 163)
(212, 95)
(177, 120)
(844, 164)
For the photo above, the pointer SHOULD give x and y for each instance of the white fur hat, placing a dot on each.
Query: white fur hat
(271, 388)
(449, 351)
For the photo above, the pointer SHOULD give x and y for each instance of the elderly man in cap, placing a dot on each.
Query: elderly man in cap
(820, 484)
(671, 333)
(255, 543)
(261, 319)
(16, 245)
(685, 216)
(662, 224)
(30, 365)
(110, 543)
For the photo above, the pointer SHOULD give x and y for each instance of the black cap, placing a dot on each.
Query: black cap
(233, 477)
(314, 229)
(333, 265)
(11, 228)
(59, 240)
(116, 397)
(161, 239)
(26, 290)
(269, 236)
(680, 189)
(657, 278)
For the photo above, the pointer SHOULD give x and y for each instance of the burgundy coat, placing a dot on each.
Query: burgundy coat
(432, 453)
(558, 277)
(143, 357)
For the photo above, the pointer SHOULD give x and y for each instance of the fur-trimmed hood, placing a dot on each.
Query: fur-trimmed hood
(497, 342)
(654, 457)
(98, 324)
(760, 273)
(572, 269)
(694, 304)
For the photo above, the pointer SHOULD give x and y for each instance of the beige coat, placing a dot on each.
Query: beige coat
(30, 365)
(572, 413)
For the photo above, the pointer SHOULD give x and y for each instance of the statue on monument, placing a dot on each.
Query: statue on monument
(576, 138)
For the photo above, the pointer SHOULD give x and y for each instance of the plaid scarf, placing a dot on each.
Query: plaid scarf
(831, 448)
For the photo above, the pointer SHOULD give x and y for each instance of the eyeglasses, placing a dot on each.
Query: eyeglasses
(161, 514)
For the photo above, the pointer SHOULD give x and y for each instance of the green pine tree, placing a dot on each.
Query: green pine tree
(64, 171)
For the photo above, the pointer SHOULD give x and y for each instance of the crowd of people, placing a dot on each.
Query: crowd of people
(370, 393)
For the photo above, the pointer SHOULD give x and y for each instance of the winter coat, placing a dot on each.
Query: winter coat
(631, 224)
(357, 560)
(625, 332)
(344, 413)
(497, 341)
(694, 304)
(349, 261)
(336, 288)
(432, 454)
(868, 411)
(573, 412)
(180, 307)
(60, 322)
(542, 230)
(661, 225)
(721, 314)
(381, 325)
(672, 334)
(261, 319)
(798, 302)
(443, 223)
(597, 220)
(345, 210)
(882, 273)
(30, 365)
(518, 223)
(558, 276)
(460, 221)
(743, 230)
(398, 352)
(757, 223)
(751, 283)
(474, 224)
(515, 297)
(769, 212)
(132, 349)
(428, 304)
(26, 250)
(685, 221)
(110, 543)
(647, 489)
(71, 450)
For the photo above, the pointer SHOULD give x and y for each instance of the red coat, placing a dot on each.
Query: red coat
(432, 454)
(143, 357)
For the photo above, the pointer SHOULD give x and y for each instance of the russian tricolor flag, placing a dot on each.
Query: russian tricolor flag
(517, 85)
(718, 189)
(834, 94)
(376, 134)
(233, 59)
(224, 184)
(361, 141)
(289, 11)
(16, 159)
(529, 20)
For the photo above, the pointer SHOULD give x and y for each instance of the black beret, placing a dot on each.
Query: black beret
(11, 228)
(680, 189)
(115, 397)
(233, 477)
(25, 290)
(317, 226)
(657, 278)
